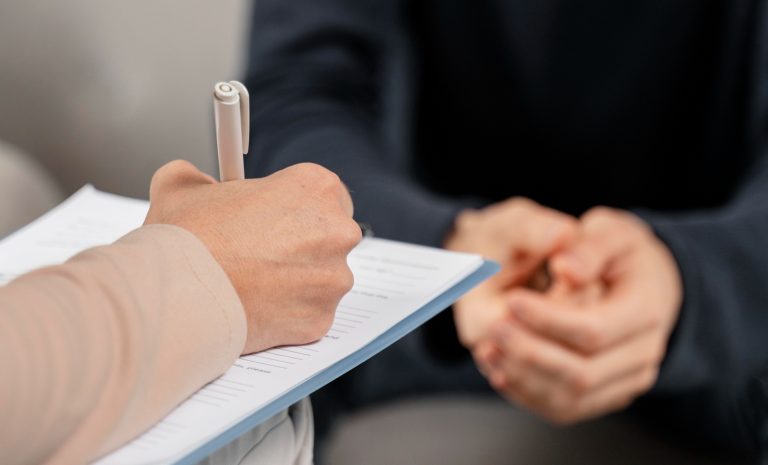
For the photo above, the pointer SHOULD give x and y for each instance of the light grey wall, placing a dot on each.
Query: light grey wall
(107, 91)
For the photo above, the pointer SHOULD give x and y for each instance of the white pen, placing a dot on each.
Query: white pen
(232, 113)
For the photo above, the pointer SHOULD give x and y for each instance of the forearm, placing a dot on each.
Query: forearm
(95, 351)
(317, 76)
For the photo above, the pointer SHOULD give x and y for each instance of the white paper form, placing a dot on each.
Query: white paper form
(392, 281)
(87, 219)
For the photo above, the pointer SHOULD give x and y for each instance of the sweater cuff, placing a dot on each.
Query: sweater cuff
(156, 318)
(206, 276)
(679, 368)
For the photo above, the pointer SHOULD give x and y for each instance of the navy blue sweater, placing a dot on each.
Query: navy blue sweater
(426, 107)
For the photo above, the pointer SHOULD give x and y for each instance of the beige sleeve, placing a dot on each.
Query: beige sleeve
(94, 351)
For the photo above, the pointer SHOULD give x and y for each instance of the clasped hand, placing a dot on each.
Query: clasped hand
(593, 340)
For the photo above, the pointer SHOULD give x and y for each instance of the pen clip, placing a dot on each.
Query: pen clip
(245, 116)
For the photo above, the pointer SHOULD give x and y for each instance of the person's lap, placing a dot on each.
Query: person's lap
(450, 430)
(405, 406)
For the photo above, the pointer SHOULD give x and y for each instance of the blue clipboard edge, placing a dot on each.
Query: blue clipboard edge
(405, 326)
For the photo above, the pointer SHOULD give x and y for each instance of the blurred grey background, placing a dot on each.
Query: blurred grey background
(106, 92)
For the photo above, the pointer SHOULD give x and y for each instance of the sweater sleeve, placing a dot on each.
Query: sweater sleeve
(96, 350)
(317, 78)
(717, 351)
(712, 381)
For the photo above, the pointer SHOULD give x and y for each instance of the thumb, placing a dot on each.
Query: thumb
(540, 235)
(604, 236)
(175, 175)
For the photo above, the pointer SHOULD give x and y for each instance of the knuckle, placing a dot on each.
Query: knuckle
(321, 175)
(314, 176)
(337, 282)
(304, 169)
(340, 237)
(523, 202)
(349, 235)
(309, 333)
(600, 212)
(346, 280)
(325, 319)
(317, 326)
(600, 217)
(518, 204)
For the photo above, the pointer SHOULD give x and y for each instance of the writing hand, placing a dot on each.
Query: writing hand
(283, 241)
